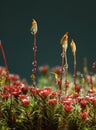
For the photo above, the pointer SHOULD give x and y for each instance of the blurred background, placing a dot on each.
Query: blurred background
(54, 17)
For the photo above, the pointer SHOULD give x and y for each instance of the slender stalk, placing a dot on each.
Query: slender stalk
(34, 62)
(75, 75)
(62, 68)
(4, 58)
(7, 71)
(66, 75)
(73, 47)
(64, 43)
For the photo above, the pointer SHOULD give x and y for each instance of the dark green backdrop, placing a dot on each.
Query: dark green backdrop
(54, 18)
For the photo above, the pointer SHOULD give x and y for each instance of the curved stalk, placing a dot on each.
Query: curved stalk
(7, 71)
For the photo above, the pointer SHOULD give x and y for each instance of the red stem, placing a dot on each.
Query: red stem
(66, 75)
(7, 74)
(4, 58)
(35, 61)
(75, 75)
(66, 80)
(62, 68)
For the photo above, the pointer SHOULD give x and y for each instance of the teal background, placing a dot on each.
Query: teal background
(54, 18)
